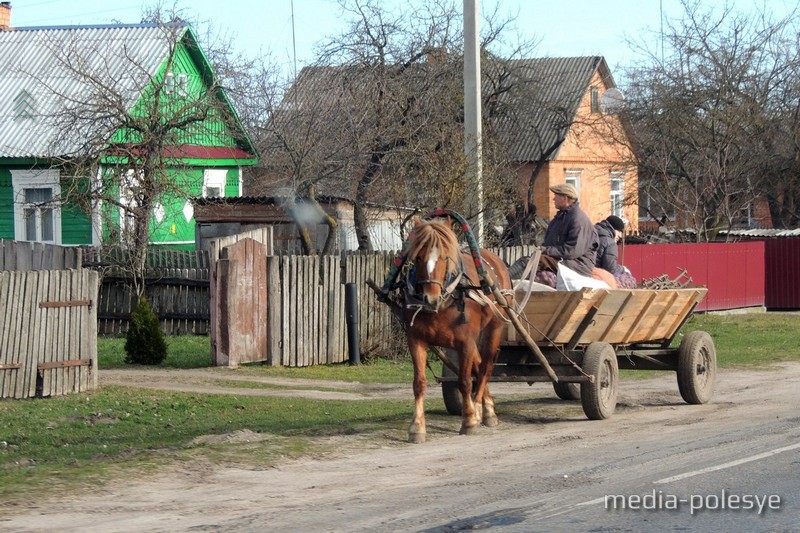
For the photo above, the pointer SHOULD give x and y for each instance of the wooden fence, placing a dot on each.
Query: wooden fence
(24, 255)
(176, 283)
(48, 332)
(305, 307)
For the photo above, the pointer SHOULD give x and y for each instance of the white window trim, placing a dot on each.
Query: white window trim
(33, 179)
(214, 177)
(617, 176)
(573, 177)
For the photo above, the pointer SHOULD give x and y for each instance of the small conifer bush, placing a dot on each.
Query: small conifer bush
(144, 342)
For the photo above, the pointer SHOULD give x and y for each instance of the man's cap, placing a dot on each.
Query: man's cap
(616, 223)
(566, 189)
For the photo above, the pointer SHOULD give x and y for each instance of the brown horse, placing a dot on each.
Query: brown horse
(443, 278)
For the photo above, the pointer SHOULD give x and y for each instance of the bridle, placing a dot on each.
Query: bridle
(448, 288)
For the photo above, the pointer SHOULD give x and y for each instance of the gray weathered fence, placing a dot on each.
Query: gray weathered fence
(180, 298)
(24, 255)
(176, 283)
(48, 332)
(303, 322)
(305, 314)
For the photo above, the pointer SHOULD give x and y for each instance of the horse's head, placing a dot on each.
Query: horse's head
(435, 255)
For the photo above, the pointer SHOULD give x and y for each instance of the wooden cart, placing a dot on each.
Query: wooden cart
(586, 336)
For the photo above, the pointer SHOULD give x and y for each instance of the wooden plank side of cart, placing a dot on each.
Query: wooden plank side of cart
(621, 316)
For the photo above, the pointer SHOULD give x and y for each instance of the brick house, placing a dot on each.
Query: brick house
(566, 129)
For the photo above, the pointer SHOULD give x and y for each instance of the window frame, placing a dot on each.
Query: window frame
(214, 178)
(595, 100)
(35, 179)
(572, 176)
(617, 196)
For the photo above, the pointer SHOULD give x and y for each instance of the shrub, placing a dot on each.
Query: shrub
(144, 342)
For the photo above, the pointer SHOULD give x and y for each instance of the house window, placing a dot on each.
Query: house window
(176, 83)
(573, 177)
(214, 183)
(595, 100)
(617, 193)
(37, 216)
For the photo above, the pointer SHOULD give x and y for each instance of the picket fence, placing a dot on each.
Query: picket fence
(48, 332)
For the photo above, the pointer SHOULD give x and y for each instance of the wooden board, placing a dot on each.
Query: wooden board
(623, 316)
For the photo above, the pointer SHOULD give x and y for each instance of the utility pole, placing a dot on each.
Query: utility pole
(473, 147)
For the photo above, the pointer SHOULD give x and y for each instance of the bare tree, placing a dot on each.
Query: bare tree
(705, 115)
(379, 118)
(120, 135)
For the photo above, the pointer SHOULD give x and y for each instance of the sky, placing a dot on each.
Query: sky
(563, 28)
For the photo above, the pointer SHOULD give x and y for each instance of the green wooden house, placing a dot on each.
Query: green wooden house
(88, 93)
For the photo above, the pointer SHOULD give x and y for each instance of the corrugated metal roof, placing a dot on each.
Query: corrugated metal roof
(543, 101)
(40, 73)
(531, 117)
(762, 233)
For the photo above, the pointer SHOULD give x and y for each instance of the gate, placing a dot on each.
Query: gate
(239, 305)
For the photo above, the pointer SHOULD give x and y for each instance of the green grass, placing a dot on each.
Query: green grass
(195, 352)
(182, 352)
(751, 339)
(81, 440)
(72, 439)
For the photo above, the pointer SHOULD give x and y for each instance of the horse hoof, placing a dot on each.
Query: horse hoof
(490, 422)
(416, 438)
(471, 430)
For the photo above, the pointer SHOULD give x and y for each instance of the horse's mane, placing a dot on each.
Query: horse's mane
(436, 233)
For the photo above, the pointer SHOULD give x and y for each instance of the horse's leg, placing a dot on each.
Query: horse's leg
(469, 416)
(476, 369)
(490, 344)
(419, 355)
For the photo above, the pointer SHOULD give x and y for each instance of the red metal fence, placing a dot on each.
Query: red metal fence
(733, 272)
(782, 259)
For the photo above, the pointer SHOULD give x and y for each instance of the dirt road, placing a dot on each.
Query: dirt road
(513, 477)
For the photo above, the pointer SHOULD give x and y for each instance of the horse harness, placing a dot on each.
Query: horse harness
(455, 288)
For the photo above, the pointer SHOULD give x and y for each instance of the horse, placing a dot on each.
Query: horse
(444, 307)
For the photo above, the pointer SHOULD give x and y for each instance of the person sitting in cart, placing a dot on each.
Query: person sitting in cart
(570, 239)
(610, 231)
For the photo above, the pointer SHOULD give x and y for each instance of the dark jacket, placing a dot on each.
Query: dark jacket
(572, 237)
(607, 251)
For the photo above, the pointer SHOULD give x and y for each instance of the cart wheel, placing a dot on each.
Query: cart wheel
(697, 367)
(599, 399)
(450, 393)
(567, 391)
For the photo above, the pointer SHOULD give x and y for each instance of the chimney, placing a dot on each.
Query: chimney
(5, 16)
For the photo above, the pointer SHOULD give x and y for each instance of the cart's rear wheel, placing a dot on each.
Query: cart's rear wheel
(450, 392)
(567, 391)
(599, 398)
(697, 367)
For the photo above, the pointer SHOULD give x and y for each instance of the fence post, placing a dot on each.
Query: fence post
(351, 310)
